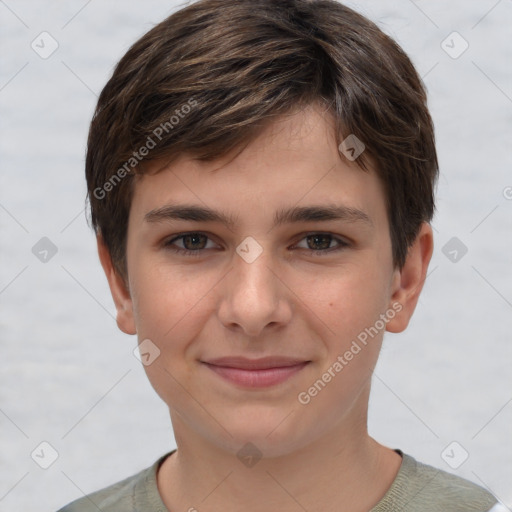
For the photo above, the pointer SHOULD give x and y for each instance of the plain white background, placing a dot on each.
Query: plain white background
(69, 377)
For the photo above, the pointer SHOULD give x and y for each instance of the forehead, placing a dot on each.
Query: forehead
(295, 161)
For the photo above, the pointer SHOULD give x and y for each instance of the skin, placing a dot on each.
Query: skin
(290, 301)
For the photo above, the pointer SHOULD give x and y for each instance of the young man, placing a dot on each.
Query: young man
(261, 179)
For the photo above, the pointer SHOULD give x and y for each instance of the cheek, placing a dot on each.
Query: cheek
(347, 301)
(350, 309)
(169, 311)
(171, 307)
(164, 296)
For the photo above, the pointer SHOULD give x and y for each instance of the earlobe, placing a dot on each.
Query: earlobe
(408, 281)
(118, 289)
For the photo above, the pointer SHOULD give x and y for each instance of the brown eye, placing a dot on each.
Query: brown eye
(192, 244)
(322, 243)
(194, 241)
(319, 242)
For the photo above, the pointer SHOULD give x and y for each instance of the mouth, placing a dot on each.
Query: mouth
(255, 373)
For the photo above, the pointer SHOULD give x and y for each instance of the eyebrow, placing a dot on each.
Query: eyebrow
(296, 214)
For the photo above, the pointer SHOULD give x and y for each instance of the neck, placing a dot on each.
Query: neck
(344, 470)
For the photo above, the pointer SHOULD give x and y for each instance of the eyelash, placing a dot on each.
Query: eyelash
(199, 252)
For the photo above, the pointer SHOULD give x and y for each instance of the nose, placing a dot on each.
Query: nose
(254, 297)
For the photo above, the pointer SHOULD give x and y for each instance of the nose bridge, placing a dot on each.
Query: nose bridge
(253, 277)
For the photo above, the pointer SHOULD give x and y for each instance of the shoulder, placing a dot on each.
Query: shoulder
(420, 487)
(123, 496)
(112, 498)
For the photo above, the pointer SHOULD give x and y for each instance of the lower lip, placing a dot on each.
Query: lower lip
(257, 378)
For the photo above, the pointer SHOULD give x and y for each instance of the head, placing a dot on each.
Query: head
(241, 108)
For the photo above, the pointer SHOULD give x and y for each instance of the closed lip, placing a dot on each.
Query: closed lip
(263, 363)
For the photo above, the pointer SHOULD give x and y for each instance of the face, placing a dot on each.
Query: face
(290, 259)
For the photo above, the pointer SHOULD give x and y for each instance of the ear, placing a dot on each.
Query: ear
(118, 289)
(408, 281)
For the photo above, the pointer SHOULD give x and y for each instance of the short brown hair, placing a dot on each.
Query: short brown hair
(212, 75)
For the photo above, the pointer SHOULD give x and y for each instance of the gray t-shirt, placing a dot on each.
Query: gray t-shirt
(416, 488)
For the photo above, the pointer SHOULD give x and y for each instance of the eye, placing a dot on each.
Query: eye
(320, 243)
(193, 244)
